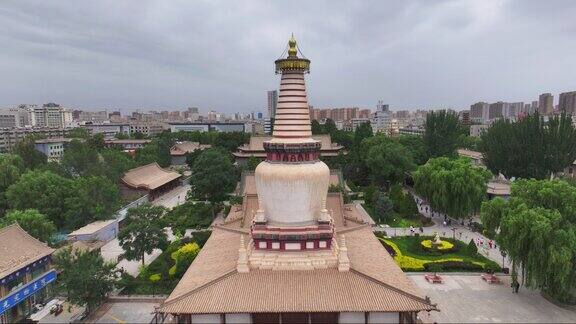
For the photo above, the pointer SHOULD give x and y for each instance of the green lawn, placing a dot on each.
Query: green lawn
(401, 220)
(410, 256)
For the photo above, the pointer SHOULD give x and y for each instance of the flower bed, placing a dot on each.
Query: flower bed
(451, 261)
(443, 246)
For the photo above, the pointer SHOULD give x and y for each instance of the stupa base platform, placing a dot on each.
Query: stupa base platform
(305, 260)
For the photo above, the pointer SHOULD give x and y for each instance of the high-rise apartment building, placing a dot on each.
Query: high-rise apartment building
(514, 109)
(496, 110)
(479, 112)
(546, 104)
(567, 103)
(272, 103)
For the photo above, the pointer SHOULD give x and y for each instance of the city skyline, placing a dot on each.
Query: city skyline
(422, 55)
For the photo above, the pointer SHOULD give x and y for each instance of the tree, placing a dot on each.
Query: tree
(213, 176)
(27, 151)
(85, 277)
(415, 144)
(363, 131)
(529, 148)
(252, 163)
(81, 159)
(189, 215)
(383, 206)
(143, 232)
(316, 127)
(536, 228)
(44, 191)
(95, 198)
(36, 224)
(157, 151)
(78, 132)
(116, 163)
(330, 127)
(452, 186)
(388, 163)
(11, 168)
(96, 141)
(441, 133)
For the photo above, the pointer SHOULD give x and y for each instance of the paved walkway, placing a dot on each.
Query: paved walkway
(456, 230)
(466, 298)
(173, 197)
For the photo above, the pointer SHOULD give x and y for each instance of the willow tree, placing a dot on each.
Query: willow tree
(537, 229)
(452, 186)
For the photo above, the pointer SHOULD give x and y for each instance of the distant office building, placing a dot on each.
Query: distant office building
(355, 122)
(381, 118)
(147, 128)
(272, 103)
(9, 137)
(108, 130)
(52, 115)
(546, 104)
(477, 130)
(479, 112)
(9, 119)
(53, 148)
(206, 127)
(567, 103)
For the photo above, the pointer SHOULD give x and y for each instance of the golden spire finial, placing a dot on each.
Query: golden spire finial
(292, 50)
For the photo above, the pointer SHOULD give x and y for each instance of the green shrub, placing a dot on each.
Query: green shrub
(452, 265)
(472, 249)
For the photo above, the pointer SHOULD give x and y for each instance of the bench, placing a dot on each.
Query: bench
(433, 278)
(491, 279)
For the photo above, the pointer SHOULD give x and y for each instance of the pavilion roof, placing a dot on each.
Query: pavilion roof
(19, 249)
(149, 177)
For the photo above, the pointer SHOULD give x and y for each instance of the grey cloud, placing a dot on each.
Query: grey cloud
(219, 54)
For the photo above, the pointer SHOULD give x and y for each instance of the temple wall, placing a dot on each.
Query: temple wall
(239, 318)
(381, 317)
(352, 317)
(205, 318)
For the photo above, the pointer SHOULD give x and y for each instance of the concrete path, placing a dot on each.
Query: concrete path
(173, 197)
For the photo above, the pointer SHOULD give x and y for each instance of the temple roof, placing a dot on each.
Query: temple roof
(256, 145)
(19, 249)
(149, 177)
(187, 147)
(374, 283)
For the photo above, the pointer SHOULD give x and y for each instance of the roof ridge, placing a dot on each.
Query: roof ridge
(209, 283)
(232, 230)
(403, 292)
(350, 229)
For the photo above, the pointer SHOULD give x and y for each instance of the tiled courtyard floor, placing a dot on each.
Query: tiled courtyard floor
(467, 298)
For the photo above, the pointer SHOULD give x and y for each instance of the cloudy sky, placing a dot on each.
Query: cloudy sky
(219, 54)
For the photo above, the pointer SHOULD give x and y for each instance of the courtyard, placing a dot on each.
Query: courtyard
(466, 298)
(125, 312)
